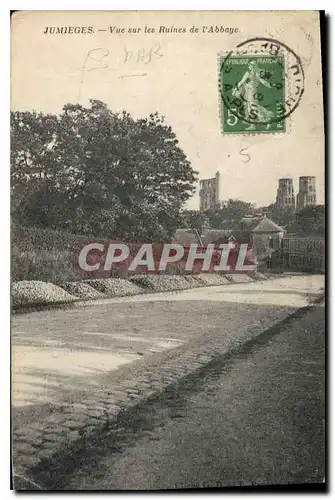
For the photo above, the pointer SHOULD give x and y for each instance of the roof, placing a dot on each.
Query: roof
(185, 236)
(247, 218)
(267, 226)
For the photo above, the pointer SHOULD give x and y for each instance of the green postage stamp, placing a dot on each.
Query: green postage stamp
(252, 91)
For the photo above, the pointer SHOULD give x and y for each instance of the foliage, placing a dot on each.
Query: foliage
(51, 266)
(310, 221)
(282, 217)
(92, 171)
(194, 219)
(229, 213)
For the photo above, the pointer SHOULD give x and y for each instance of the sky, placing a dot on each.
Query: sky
(175, 74)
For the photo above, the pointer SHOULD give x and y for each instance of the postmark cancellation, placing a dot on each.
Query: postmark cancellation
(261, 83)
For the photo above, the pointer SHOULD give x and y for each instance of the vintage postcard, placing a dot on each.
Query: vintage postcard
(167, 249)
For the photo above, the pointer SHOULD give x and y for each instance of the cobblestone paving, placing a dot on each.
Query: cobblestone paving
(204, 326)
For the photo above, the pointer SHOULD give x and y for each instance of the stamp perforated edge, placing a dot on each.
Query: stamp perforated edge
(225, 53)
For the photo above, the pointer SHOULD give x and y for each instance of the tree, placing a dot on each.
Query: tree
(281, 216)
(310, 221)
(229, 213)
(194, 219)
(98, 172)
(32, 136)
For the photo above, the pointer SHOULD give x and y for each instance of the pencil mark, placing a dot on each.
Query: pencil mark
(245, 154)
(138, 74)
(95, 55)
(143, 55)
(100, 59)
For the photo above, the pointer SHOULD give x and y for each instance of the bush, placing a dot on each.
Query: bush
(46, 255)
(42, 265)
(31, 238)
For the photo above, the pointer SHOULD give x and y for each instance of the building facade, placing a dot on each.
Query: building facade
(248, 222)
(266, 237)
(285, 199)
(307, 192)
(209, 193)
